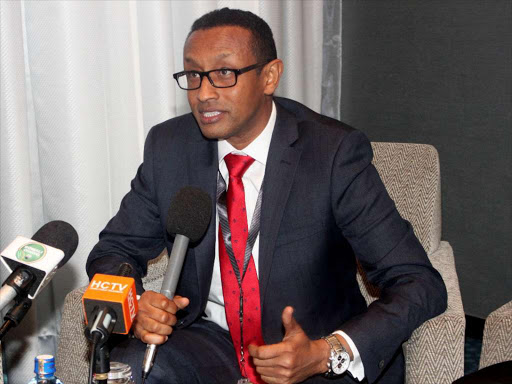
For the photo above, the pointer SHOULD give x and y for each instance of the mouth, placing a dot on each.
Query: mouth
(210, 117)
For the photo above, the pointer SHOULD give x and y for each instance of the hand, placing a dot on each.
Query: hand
(156, 317)
(294, 359)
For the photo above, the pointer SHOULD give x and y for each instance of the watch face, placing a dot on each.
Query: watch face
(340, 362)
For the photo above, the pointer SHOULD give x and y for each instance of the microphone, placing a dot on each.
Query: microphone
(188, 218)
(34, 262)
(110, 304)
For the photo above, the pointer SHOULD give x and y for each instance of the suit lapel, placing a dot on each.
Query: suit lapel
(282, 163)
(203, 167)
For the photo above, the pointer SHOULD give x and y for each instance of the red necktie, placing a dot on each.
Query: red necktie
(237, 219)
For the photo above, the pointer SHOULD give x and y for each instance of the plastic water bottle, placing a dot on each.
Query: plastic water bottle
(120, 373)
(44, 368)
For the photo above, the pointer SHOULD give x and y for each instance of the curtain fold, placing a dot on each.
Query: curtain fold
(82, 83)
(331, 65)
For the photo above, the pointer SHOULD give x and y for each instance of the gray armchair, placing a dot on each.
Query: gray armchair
(434, 353)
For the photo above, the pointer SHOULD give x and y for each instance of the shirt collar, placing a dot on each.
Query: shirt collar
(258, 148)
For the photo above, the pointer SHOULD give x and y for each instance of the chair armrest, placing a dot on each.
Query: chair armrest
(156, 271)
(72, 360)
(435, 352)
(497, 340)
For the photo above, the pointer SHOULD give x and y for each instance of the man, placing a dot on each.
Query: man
(322, 205)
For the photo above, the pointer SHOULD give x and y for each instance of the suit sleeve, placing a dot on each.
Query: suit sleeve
(412, 291)
(135, 234)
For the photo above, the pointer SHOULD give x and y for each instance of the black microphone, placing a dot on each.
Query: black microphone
(110, 304)
(33, 262)
(187, 219)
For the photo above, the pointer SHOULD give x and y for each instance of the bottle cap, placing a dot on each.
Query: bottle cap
(44, 365)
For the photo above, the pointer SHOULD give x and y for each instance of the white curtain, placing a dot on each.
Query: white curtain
(82, 82)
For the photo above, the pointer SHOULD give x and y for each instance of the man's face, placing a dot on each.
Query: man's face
(237, 114)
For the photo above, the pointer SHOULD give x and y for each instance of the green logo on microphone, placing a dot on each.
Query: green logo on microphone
(31, 252)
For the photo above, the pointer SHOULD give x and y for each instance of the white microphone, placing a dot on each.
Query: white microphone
(34, 262)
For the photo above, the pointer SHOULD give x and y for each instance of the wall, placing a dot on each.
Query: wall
(439, 72)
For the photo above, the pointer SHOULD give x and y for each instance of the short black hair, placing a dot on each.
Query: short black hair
(263, 47)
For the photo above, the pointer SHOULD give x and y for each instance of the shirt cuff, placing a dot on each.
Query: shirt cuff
(355, 368)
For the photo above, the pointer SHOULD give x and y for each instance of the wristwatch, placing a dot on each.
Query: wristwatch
(339, 359)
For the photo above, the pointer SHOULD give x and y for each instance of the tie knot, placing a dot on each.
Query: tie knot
(237, 164)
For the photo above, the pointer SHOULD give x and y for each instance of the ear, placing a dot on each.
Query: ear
(272, 72)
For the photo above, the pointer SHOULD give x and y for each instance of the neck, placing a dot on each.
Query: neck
(260, 122)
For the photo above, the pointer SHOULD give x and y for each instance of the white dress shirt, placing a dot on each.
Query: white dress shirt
(252, 180)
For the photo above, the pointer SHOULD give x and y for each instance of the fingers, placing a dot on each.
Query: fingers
(276, 380)
(280, 369)
(156, 317)
(150, 338)
(151, 299)
(267, 352)
(290, 361)
(146, 323)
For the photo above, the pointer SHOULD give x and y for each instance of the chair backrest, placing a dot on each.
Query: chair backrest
(410, 173)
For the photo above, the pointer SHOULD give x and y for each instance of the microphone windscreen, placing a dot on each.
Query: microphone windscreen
(190, 213)
(58, 234)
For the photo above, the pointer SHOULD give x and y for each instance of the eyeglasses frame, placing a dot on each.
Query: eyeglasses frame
(237, 73)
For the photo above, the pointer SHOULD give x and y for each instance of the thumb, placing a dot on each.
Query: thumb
(181, 302)
(291, 326)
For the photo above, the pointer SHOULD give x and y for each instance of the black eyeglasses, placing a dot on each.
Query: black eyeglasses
(219, 78)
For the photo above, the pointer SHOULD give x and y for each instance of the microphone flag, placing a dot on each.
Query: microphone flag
(116, 292)
(41, 259)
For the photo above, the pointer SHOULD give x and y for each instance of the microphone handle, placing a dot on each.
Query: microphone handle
(7, 294)
(125, 270)
(16, 286)
(176, 259)
(172, 275)
(15, 315)
(6, 326)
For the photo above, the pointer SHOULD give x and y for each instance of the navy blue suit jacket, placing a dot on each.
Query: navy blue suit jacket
(323, 206)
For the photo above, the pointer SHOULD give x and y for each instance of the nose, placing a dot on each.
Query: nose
(207, 91)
